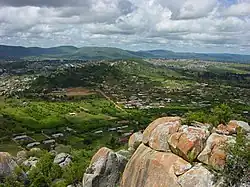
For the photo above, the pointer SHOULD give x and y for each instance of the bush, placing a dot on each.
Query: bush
(14, 180)
(219, 114)
(222, 114)
(59, 184)
(45, 172)
(237, 168)
(63, 148)
(74, 173)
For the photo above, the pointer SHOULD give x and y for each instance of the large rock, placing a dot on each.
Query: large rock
(21, 157)
(75, 185)
(229, 129)
(62, 159)
(222, 129)
(158, 132)
(31, 162)
(150, 168)
(127, 154)
(214, 151)
(105, 169)
(198, 176)
(8, 166)
(188, 142)
(242, 124)
(134, 141)
(205, 126)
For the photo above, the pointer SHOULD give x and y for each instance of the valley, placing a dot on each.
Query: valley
(92, 97)
(78, 107)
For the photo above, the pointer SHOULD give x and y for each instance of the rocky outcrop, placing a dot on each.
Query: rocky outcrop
(148, 168)
(242, 124)
(175, 155)
(155, 123)
(31, 162)
(188, 142)
(105, 169)
(205, 126)
(231, 127)
(62, 159)
(198, 176)
(8, 166)
(134, 141)
(21, 157)
(75, 185)
(214, 153)
(157, 133)
(126, 153)
(222, 129)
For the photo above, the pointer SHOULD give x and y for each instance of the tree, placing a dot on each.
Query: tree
(223, 113)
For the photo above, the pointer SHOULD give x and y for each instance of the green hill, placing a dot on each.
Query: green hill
(97, 53)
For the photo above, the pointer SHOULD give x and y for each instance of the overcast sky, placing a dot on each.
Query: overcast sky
(179, 25)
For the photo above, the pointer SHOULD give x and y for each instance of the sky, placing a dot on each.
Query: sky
(220, 26)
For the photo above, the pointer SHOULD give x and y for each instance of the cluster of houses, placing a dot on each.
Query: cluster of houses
(29, 142)
(123, 131)
(137, 97)
(120, 129)
(197, 95)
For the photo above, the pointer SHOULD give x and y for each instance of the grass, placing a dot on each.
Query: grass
(178, 84)
(10, 147)
(84, 116)
(38, 137)
(44, 114)
(226, 68)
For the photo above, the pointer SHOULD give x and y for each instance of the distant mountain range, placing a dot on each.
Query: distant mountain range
(95, 53)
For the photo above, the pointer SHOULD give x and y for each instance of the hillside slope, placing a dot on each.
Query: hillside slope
(94, 53)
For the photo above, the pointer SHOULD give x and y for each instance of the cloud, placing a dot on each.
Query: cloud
(46, 3)
(189, 9)
(188, 25)
(240, 9)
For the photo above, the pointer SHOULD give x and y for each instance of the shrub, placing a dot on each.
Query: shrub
(45, 172)
(237, 168)
(74, 173)
(14, 179)
(219, 114)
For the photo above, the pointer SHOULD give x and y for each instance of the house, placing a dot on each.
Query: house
(22, 137)
(33, 144)
(70, 129)
(127, 134)
(123, 122)
(120, 131)
(112, 129)
(123, 127)
(52, 141)
(98, 132)
(57, 135)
